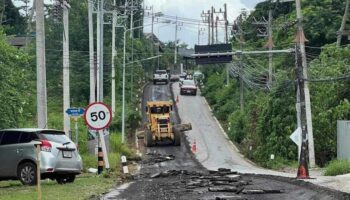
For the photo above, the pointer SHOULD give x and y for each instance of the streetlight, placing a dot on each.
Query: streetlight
(150, 58)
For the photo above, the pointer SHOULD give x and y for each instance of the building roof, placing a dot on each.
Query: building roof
(155, 40)
(19, 41)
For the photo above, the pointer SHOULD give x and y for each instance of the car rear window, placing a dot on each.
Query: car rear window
(53, 136)
(27, 137)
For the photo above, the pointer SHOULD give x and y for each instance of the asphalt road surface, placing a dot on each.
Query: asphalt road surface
(169, 172)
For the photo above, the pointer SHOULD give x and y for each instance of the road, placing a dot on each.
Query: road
(214, 149)
(190, 179)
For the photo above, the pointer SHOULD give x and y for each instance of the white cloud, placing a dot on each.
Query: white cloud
(191, 9)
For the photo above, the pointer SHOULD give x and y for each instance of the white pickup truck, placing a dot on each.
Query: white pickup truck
(160, 76)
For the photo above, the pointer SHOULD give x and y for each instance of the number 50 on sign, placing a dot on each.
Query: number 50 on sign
(98, 116)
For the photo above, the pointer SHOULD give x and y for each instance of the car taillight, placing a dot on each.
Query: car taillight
(45, 146)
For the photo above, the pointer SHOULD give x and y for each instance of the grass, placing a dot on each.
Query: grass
(84, 187)
(337, 167)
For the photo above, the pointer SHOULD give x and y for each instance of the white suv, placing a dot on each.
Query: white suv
(160, 76)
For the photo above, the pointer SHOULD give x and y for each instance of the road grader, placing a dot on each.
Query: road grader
(160, 125)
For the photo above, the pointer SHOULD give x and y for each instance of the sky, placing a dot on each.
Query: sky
(188, 33)
(192, 9)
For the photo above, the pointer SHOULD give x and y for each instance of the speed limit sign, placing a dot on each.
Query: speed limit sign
(98, 116)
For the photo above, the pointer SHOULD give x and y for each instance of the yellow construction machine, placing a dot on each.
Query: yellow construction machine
(160, 124)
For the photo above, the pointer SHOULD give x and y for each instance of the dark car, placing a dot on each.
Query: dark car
(188, 87)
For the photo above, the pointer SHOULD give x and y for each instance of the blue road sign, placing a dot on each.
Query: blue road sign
(75, 112)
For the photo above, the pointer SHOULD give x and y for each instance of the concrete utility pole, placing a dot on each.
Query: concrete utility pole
(123, 92)
(301, 42)
(41, 65)
(114, 21)
(343, 23)
(100, 69)
(240, 64)
(175, 51)
(226, 23)
(98, 49)
(132, 19)
(212, 24)
(200, 31)
(270, 45)
(91, 53)
(216, 30)
(206, 19)
(303, 170)
(66, 87)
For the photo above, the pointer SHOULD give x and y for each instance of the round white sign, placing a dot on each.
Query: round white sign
(98, 116)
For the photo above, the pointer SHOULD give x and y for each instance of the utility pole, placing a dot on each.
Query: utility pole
(301, 42)
(343, 23)
(114, 21)
(200, 31)
(212, 24)
(132, 49)
(303, 170)
(175, 51)
(270, 45)
(217, 19)
(216, 29)
(91, 53)
(66, 87)
(132, 19)
(226, 23)
(41, 65)
(240, 64)
(100, 69)
(152, 12)
(123, 92)
(206, 19)
(98, 44)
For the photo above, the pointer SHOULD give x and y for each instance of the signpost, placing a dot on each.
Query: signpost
(296, 138)
(98, 116)
(75, 113)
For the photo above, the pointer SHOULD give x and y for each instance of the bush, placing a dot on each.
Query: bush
(337, 167)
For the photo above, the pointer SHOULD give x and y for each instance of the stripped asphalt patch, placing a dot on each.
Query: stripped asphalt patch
(172, 172)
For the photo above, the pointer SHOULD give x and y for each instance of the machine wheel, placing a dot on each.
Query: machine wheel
(177, 137)
(148, 140)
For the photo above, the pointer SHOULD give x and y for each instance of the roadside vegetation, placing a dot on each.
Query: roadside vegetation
(337, 167)
(84, 187)
(18, 92)
(269, 115)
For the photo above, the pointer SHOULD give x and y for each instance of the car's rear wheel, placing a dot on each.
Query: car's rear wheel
(27, 174)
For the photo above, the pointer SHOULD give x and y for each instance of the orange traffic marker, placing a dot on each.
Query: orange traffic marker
(194, 147)
(302, 173)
